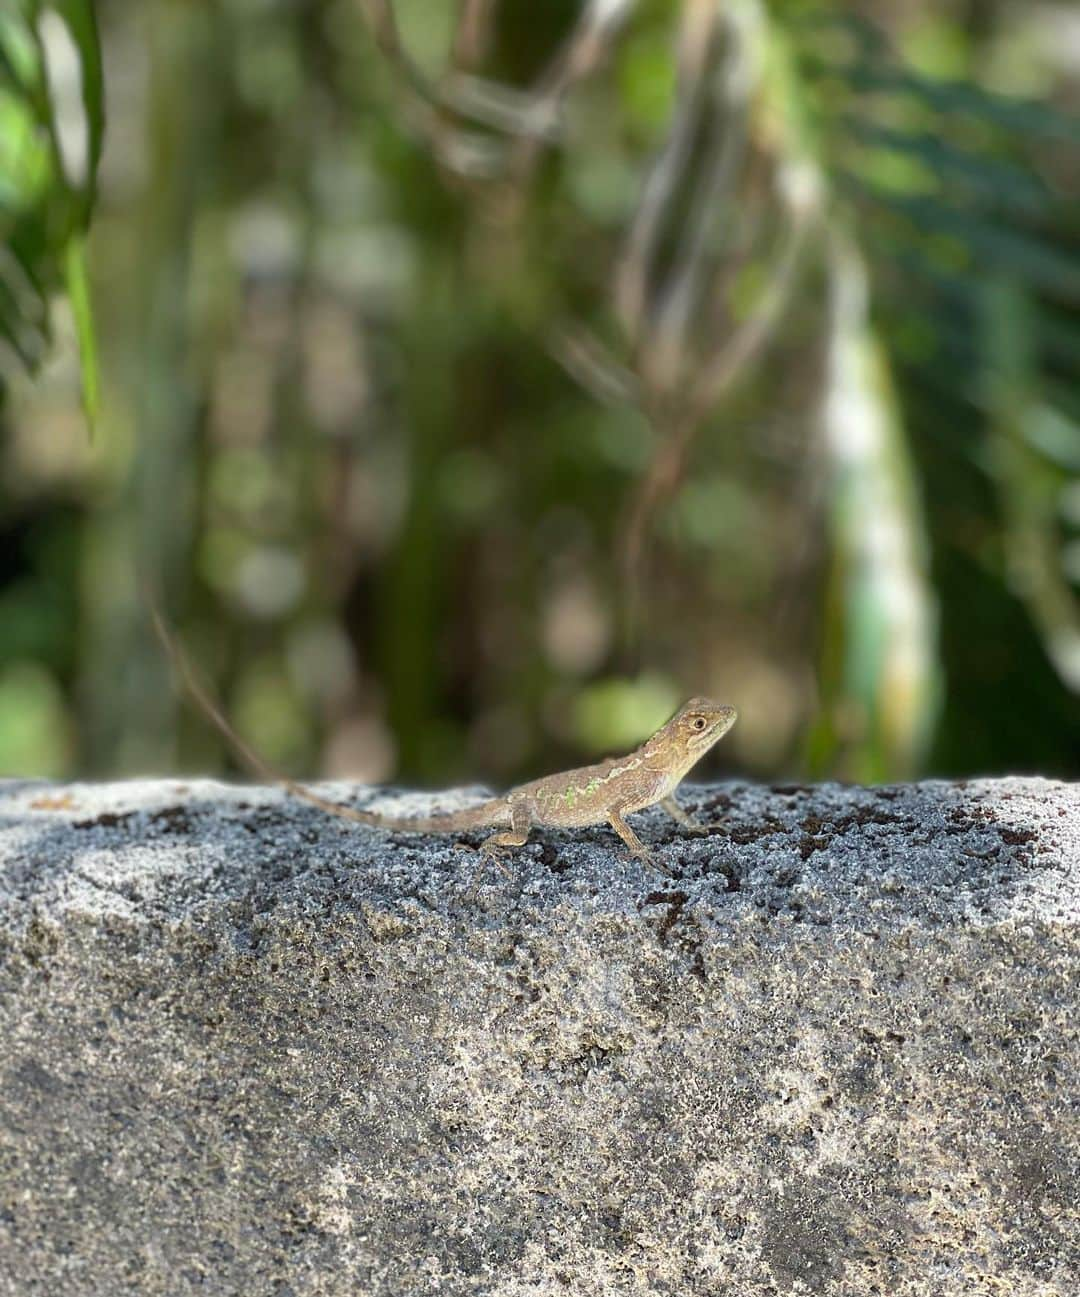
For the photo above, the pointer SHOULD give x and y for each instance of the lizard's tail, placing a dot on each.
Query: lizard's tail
(490, 814)
(452, 821)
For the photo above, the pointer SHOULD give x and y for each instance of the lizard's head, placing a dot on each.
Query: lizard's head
(700, 723)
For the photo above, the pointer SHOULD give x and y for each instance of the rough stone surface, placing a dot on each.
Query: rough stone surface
(246, 1049)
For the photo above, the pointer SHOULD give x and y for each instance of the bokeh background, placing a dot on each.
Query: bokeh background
(472, 380)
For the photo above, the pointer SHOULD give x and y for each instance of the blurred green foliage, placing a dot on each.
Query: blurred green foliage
(51, 129)
(479, 380)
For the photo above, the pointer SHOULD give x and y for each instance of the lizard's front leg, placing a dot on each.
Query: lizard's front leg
(680, 816)
(637, 847)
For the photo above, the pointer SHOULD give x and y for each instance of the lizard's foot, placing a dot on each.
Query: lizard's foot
(488, 852)
(682, 818)
(493, 853)
(651, 860)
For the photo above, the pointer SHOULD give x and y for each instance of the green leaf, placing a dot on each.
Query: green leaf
(1005, 184)
(81, 23)
(78, 289)
(990, 245)
(1027, 117)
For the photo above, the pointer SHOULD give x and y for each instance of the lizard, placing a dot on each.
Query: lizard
(603, 793)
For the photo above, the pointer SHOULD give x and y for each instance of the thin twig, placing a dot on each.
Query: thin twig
(753, 334)
(696, 36)
(678, 428)
(588, 360)
(473, 33)
(214, 712)
(672, 315)
(583, 51)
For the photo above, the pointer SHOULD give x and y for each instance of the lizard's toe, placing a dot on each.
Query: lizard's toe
(495, 855)
(651, 860)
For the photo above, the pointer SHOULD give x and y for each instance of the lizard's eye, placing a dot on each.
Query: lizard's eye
(699, 722)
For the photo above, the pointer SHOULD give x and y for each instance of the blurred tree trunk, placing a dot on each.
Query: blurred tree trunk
(129, 711)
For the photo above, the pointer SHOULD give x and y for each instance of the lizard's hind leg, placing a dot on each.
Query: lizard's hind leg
(515, 836)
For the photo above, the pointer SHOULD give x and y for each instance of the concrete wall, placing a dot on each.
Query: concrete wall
(246, 1049)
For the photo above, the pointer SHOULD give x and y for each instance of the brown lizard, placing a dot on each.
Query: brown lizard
(604, 793)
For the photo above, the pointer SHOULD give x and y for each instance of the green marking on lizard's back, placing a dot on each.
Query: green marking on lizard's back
(580, 787)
